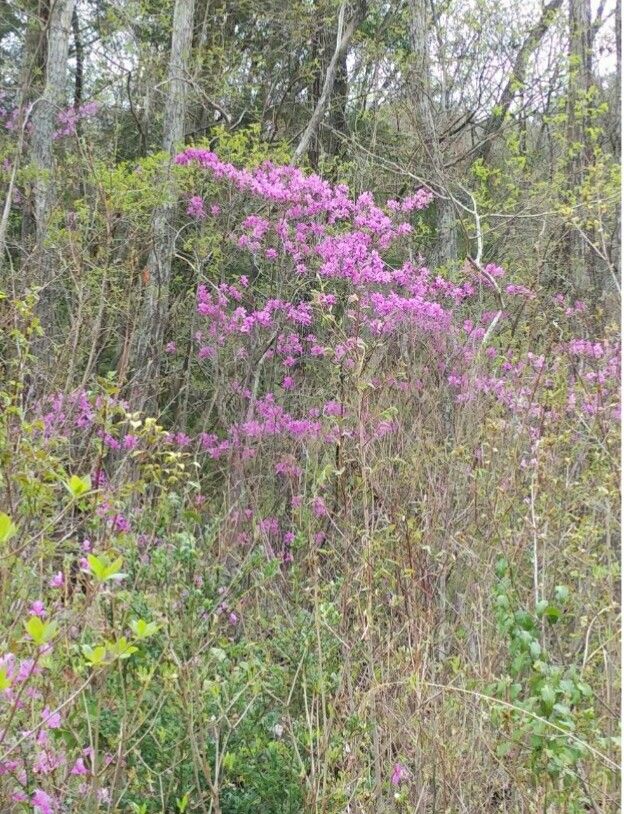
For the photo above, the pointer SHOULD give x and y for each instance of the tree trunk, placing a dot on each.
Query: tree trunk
(31, 79)
(343, 38)
(338, 112)
(420, 87)
(43, 120)
(79, 53)
(581, 259)
(517, 77)
(147, 343)
(618, 78)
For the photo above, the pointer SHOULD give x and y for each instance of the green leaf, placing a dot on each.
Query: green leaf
(541, 607)
(5, 681)
(95, 656)
(39, 631)
(79, 486)
(103, 569)
(552, 614)
(143, 629)
(524, 619)
(562, 592)
(535, 649)
(7, 528)
(501, 567)
(122, 649)
(549, 696)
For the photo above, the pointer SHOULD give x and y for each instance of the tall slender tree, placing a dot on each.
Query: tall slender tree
(344, 35)
(45, 111)
(420, 91)
(579, 105)
(149, 330)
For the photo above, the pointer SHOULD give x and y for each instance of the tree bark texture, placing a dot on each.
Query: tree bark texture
(345, 32)
(446, 248)
(148, 335)
(44, 117)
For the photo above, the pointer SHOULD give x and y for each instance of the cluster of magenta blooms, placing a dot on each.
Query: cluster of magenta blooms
(334, 249)
(37, 756)
(66, 119)
(332, 278)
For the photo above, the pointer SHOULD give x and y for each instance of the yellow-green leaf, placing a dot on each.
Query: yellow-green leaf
(79, 486)
(7, 528)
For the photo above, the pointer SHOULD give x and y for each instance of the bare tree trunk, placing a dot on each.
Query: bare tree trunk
(581, 259)
(446, 237)
(343, 38)
(32, 72)
(79, 53)
(617, 249)
(618, 77)
(517, 76)
(148, 336)
(338, 111)
(43, 120)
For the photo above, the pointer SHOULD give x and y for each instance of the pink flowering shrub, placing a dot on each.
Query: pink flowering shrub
(290, 568)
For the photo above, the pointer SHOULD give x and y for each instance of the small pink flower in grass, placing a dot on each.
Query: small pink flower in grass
(130, 441)
(19, 797)
(170, 347)
(57, 581)
(319, 537)
(399, 774)
(99, 478)
(38, 609)
(494, 270)
(288, 382)
(319, 508)
(195, 208)
(51, 719)
(233, 618)
(269, 525)
(43, 803)
(120, 523)
(79, 768)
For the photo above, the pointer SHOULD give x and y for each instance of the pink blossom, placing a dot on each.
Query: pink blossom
(79, 768)
(130, 442)
(37, 608)
(195, 208)
(319, 508)
(43, 803)
(51, 719)
(399, 774)
(120, 523)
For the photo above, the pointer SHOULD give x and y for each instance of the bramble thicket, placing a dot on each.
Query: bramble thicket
(309, 439)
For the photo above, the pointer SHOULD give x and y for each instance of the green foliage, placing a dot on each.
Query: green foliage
(547, 699)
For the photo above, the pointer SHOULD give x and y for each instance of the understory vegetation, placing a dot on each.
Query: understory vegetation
(300, 512)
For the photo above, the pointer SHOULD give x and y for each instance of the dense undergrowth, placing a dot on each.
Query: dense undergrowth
(365, 557)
